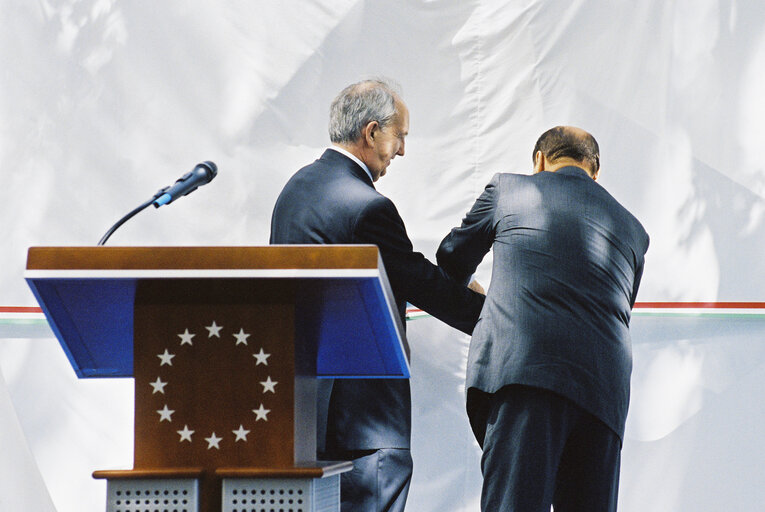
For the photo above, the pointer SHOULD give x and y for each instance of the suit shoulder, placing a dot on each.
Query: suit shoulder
(378, 201)
(509, 178)
(631, 222)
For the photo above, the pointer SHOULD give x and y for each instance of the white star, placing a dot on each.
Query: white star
(241, 434)
(269, 385)
(158, 385)
(213, 441)
(165, 413)
(241, 337)
(214, 330)
(166, 358)
(186, 337)
(262, 357)
(261, 413)
(185, 434)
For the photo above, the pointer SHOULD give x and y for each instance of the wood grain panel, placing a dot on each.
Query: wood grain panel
(206, 258)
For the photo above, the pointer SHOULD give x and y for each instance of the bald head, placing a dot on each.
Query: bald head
(568, 145)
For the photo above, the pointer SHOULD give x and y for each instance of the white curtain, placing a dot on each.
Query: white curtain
(21, 486)
(104, 102)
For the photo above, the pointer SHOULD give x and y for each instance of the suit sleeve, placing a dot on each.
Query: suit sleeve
(462, 250)
(412, 277)
(638, 274)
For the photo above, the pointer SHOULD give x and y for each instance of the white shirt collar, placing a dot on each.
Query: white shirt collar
(354, 158)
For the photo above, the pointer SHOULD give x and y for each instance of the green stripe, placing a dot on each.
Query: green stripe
(42, 321)
(23, 321)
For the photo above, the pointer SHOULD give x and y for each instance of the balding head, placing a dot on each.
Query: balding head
(358, 105)
(564, 144)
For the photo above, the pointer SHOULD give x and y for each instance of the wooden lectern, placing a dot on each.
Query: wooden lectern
(224, 344)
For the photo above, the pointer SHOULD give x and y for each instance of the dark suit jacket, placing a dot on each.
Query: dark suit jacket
(568, 259)
(333, 201)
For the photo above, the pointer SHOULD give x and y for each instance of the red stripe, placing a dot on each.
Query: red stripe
(20, 309)
(701, 305)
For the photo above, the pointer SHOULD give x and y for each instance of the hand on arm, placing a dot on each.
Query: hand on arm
(412, 277)
(476, 287)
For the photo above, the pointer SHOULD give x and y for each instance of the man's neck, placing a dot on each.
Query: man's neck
(543, 164)
(353, 149)
(560, 163)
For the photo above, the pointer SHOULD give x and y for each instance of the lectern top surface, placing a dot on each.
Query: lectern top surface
(234, 258)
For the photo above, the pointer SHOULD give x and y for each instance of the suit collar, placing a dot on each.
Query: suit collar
(353, 157)
(335, 158)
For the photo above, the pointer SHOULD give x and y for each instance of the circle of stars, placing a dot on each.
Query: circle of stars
(213, 440)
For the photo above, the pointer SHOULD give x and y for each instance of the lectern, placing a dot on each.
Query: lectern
(225, 345)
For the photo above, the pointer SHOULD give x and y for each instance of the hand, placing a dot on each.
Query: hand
(476, 287)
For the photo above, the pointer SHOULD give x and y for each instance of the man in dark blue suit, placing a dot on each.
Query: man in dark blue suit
(549, 366)
(334, 201)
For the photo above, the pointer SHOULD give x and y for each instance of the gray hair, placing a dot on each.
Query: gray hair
(358, 105)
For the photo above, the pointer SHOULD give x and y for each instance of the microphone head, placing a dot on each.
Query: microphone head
(211, 168)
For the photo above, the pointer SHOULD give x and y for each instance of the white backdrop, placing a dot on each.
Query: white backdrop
(104, 102)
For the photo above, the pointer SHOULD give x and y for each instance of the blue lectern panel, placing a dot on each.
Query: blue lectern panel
(348, 323)
(93, 321)
(355, 334)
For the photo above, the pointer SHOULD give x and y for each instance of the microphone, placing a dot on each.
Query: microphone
(200, 175)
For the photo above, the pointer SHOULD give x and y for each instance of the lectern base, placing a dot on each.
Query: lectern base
(312, 487)
(154, 495)
(281, 494)
(239, 495)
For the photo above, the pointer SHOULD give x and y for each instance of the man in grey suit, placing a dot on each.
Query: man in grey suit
(333, 201)
(549, 366)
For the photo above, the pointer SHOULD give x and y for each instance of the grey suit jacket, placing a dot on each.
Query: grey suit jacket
(333, 201)
(568, 259)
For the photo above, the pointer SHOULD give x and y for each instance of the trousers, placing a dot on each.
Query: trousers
(541, 449)
(378, 482)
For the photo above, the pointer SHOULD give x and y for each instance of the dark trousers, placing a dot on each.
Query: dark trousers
(379, 481)
(541, 449)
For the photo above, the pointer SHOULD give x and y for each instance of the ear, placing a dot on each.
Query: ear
(595, 175)
(539, 162)
(370, 132)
